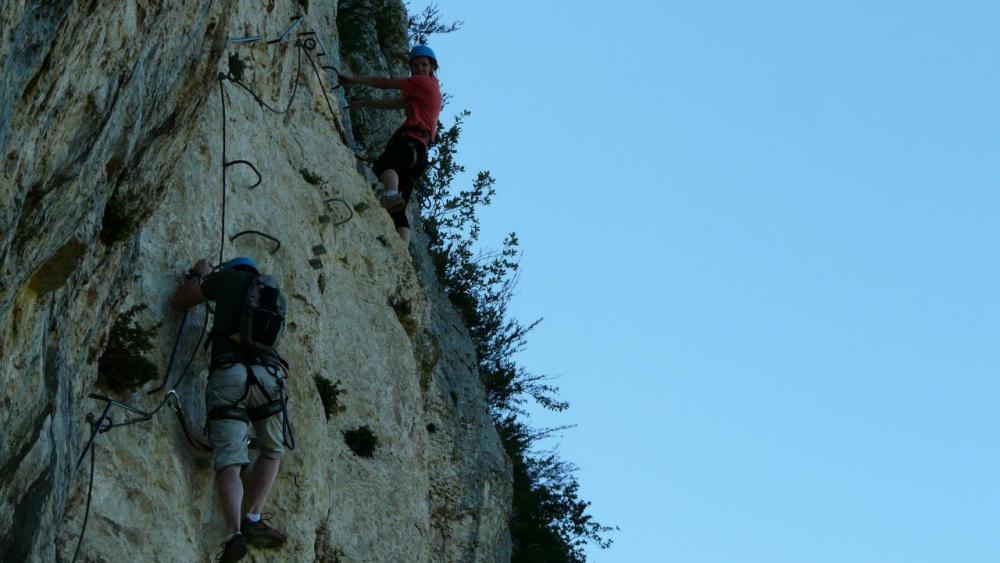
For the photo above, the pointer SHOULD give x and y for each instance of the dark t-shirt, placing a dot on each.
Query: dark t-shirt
(228, 288)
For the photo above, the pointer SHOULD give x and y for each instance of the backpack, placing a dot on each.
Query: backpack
(262, 319)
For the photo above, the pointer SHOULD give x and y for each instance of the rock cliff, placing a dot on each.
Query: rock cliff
(115, 122)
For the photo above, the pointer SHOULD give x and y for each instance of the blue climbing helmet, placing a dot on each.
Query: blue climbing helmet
(244, 261)
(423, 51)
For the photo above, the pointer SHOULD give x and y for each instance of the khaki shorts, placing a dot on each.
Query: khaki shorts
(229, 437)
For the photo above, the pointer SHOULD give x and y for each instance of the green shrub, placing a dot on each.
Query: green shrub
(362, 441)
(116, 225)
(310, 176)
(550, 521)
(122, 366)
(329, 394)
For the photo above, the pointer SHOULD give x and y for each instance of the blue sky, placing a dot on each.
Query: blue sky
(763, 239)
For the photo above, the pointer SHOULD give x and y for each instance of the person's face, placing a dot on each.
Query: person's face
(421, 66)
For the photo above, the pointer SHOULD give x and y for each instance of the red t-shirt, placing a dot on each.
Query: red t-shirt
(423, 105)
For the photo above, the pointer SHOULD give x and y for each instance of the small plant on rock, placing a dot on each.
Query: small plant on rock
(362, 441)
(329, 394)
(122, 367)
(116, 225)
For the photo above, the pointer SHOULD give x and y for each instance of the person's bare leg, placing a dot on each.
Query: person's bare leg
(261, 479)
(404, 233)
(230, 490)
(390, 181)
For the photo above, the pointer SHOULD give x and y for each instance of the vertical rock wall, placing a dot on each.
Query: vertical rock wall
(111, 141)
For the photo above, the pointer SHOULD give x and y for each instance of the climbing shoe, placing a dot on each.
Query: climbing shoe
(233, 550)
(392, 201)
(259, 534)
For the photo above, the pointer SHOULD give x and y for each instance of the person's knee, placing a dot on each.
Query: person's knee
(230, 471)
(272, 451)
(269, 457)
(228, 439)
(270, 437)
(399, 219)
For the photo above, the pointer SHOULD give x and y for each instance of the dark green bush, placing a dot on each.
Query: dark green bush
(122, 366)
(310, 176)
(550, 522)
(329, 394)
(362, 441)
(116, 225)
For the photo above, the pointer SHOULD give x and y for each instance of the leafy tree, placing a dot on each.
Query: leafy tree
(550, 522)
(428, 23)
(122, 366)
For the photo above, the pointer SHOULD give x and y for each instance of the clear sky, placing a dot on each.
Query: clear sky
(763, 236)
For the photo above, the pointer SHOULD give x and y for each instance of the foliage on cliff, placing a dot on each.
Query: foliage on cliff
(550, 521)
(122, 366)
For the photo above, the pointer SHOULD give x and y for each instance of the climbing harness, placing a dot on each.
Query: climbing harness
(416, 130)
(277, 368)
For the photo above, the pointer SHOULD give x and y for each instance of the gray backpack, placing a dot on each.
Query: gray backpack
(262, 319)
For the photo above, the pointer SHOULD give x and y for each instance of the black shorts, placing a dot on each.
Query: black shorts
(408, 157)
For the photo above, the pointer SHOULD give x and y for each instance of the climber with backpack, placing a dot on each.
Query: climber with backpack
(405, 156)
(245, 386)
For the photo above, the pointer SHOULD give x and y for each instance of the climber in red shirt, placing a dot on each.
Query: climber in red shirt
(405, 156)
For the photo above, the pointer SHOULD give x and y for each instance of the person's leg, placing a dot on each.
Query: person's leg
(407, 179)
(262, 477)
(228, 440)
(401, 222)
(230, 491)
(270, 442)
(390, 182)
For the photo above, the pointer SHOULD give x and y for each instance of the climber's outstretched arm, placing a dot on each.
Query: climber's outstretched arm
(394, 103)
(188, 293)
(374, 81)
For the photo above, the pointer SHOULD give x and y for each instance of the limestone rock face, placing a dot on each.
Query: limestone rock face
(113, 124)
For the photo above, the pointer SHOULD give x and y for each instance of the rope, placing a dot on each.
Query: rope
(173, 353)
(336, 122)
(104, 423)
(90, 487)
(337, 72)
(259, 100)
(295, 23)
(222, 96)
(185, 426)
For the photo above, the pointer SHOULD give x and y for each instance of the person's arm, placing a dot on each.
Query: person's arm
(392, 103)
(188, 293)
(374, 81)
